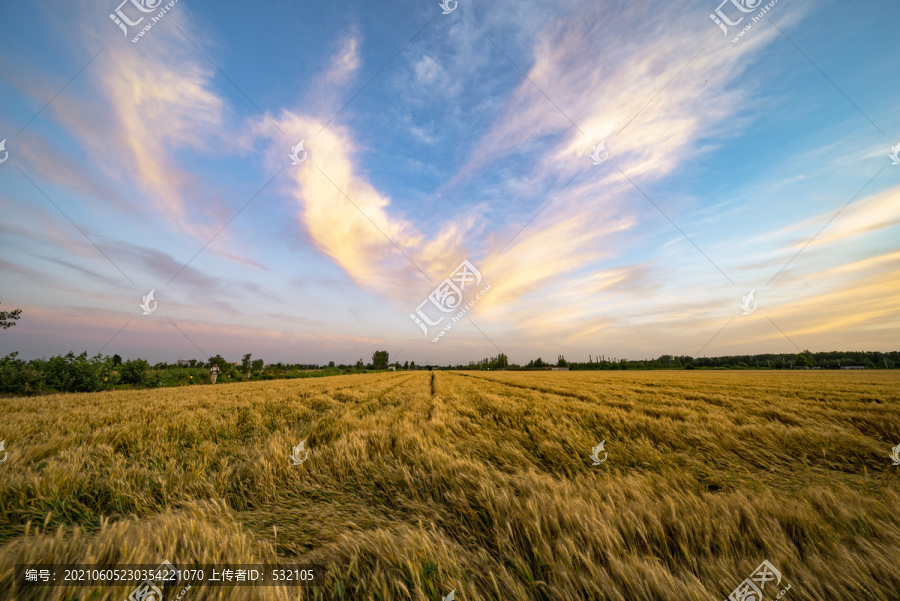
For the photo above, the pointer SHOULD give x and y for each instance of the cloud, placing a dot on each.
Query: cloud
(363, 231)
(159, 107)
(871, 214)
(327, 90)
(345, 64)
(345, 216)
(147, 104)
(840, 290)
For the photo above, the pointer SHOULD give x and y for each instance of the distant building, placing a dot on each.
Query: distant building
(801, 367)
(559, 369)
(183, 362)
(391, 368)
(853, 366)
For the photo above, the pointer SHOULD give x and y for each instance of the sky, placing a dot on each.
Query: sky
(624, 179)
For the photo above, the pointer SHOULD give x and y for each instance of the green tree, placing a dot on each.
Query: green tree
(135, 372)
(498, 362)
(380, 360)
(803, 359)
(116, 360)
(221, 362)
(257, 365)
(8, 318)
(245, 363)
(19, 377)
(70, 373)
(561, 362)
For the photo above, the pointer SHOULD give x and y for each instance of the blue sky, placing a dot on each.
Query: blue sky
(761, 164)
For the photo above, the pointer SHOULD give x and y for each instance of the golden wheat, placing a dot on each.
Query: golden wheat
(421, 483)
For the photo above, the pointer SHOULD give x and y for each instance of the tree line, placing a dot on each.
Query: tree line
(81, 373)
(805, 359)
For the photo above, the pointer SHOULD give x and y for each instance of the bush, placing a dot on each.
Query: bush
(135, 372)
(19, 377)
(68, 373)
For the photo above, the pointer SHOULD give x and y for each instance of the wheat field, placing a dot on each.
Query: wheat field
(419, 483)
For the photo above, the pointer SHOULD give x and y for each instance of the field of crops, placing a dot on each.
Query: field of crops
(420, 483)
